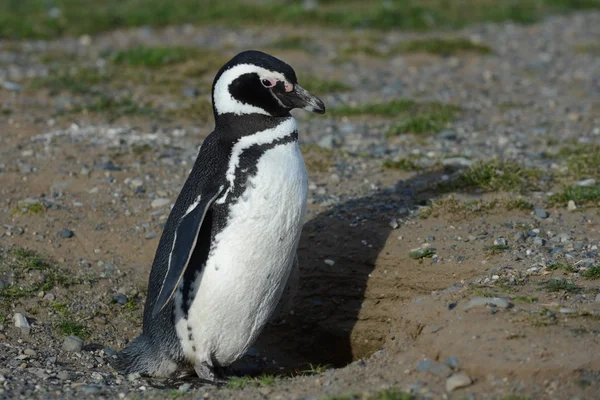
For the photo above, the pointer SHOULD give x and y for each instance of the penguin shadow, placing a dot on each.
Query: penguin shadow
(338, 250)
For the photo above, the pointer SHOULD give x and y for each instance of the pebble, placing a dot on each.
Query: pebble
(587, 182)
(452, 362)
(567, 310)
(120, 298)
(30, 352)
(541, 213)
(66, 233)
(457, 381)
(22, 323)
(457, 162)
(160, 202)
(538, 241)
(571, 206)
(72, 344)
(329, 262)
(500, 242)
(151, 235)
(434, 368)
(484, 301)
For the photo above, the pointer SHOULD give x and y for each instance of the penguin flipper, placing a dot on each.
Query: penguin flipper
(184, 243)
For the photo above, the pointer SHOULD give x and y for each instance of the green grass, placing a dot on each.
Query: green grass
(20, 262)
(592, 273)
(582, 160)
(318, 86)
(390, 394)
(315, 369)
(443, 47)
(404, 164)
(560, 285)
(82, 81)
(496, 249)
(31, 19)
(579, 194)
(494, 176)
(561, 266)
(590, 48)
(518, 204)
(72, 328)
(525, 299)
(294, 43)
(28, 209)
(421, 253)
(411, 116)
(240, 382)
(153, 57)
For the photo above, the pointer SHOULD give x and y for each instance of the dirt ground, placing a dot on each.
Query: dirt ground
(368, 314)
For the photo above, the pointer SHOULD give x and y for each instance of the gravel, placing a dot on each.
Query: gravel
(72, 344)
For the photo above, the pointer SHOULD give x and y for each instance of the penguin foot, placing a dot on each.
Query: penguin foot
(208, 373)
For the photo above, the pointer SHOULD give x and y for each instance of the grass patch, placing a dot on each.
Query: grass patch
(518, 204)
(496, 249)
(24, 208)
(42, 20)
(153, 57)
(443, 47)
(412, 117)
(421, 253)
(589, 48)
(494, 176)
(199, 110)
(560, 285)
(72, 328)
(317, 85)
(582, 160)
(404, 164)
(82, 81)
(294, 43)
(315, 369)
(555, 266)
(525, 299)
(31, 274)
(240, 382)
(456, 209)
(390, 394)
(592, 273)
(579, 194)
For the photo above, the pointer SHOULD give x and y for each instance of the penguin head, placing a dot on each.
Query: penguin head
(254, 82)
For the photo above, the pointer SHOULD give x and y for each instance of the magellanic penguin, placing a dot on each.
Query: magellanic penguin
(228, 248)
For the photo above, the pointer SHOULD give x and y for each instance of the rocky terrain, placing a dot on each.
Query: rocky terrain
(451, 245)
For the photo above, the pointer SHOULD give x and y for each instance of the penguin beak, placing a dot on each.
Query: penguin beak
(298, 97)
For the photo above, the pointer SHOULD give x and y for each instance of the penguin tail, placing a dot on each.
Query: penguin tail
(140, 357)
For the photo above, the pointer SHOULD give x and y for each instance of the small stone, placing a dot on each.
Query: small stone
(160, 202)
(91, 389)
(49, 297)
(452, 362)
(457, 381)
(120, 298)
(134, 377)
(538, 241)
(587, 182)
(22, 323)
(72, 344)
(63, 375)
(571, 206)
(136, 183)
(434, 368)
(457, 162)
(567, 310)
(329, 262)
(66, 233)
(12, 86)
(184, 388)
(597, 299)
(394, 223)
(500, 242)
(541, 213)
(484, 301)
(30, 352)
(151, 235)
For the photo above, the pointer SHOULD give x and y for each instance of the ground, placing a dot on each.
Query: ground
(452, 233)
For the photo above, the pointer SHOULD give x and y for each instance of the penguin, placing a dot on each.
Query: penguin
(226, 262)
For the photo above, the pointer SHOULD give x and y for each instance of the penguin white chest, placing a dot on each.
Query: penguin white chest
(249, 262)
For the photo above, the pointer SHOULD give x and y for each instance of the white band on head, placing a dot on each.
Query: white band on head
(223, 100)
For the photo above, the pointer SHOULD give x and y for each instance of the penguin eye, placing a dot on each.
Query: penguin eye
(268, 82)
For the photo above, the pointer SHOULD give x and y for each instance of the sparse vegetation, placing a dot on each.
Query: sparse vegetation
(525, 299)
(34, 20)
(26, 208)
(592, 273)
(493, 176)
(496, 249)
(421, 253)
(315, 369)
(443, 47)
(518, 204)
(153, 57)
(579, 194)
(560, 285)
(240, 382)
(317, 158)
(294, 43)
(411, 116)
(561, 266)
(405, 164)
(320, 86)
(72, 328)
